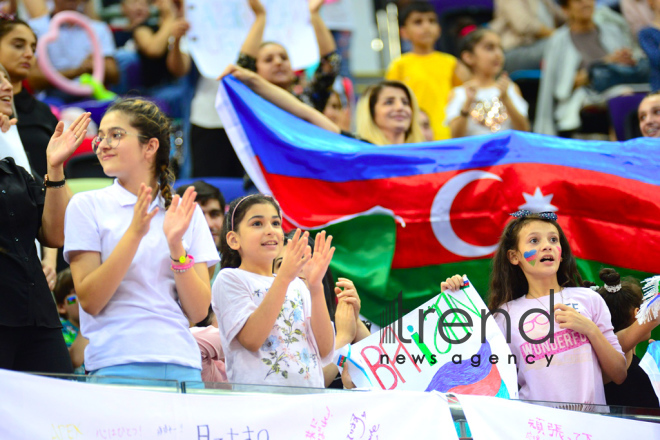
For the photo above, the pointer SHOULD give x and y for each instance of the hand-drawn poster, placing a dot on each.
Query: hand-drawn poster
(439, 347)
(491, 419)
(30, 410)
(218, 29)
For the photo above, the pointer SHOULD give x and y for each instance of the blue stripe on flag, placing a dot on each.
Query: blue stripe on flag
(289, 146)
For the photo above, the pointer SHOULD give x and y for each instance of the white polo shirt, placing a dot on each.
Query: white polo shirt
(143, 321)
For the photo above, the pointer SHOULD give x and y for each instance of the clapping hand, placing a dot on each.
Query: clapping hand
(141, 216)
(296, 256)
(348, 295)
(345, 322)
(318, 265)
(502, 85)
(64, 142)
(178, 216)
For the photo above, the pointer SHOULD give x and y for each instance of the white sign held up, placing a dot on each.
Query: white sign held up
(218, 30)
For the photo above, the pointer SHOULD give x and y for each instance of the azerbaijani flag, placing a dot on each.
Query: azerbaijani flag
(406, 217)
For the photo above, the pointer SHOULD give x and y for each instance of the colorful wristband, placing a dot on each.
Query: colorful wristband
(182, 259)
(180, 268)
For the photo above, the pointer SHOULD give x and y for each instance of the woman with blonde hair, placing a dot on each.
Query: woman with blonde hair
(387, 114)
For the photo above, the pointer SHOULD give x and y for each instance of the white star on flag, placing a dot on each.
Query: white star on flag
(538, 202)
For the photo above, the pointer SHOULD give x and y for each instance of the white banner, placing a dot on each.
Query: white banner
(33, 407)
(411, 353)
(218, 29)
(491, 419)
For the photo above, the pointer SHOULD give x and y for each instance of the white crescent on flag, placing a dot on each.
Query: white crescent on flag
(441, 207)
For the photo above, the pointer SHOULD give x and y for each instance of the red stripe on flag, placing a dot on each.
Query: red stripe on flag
(606, 218)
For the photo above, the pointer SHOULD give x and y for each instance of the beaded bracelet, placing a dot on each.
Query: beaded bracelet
(180, 268)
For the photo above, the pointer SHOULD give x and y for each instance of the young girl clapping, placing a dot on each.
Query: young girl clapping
(274, 330)
(138, 255)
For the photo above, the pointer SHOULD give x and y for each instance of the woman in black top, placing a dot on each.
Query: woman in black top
(36, 123)
(30, 330)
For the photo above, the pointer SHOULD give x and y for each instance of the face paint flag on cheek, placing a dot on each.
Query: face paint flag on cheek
(530, 257)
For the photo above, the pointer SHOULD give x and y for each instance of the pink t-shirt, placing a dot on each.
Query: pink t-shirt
(574, 374)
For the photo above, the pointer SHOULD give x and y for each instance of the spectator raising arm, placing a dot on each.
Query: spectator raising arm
(178, 63)
(256, 34)
(154, 44)
(324, 37)
(280, 97)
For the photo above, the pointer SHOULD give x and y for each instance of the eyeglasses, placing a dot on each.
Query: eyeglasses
(114, 136)
(71, 299)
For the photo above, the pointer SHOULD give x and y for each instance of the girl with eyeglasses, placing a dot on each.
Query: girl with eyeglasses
(139, 257)
(535, 277)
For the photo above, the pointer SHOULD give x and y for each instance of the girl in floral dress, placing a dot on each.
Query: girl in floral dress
(274, 330)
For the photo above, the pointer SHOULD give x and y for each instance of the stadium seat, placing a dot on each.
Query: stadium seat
(231, 187)
(619, 108)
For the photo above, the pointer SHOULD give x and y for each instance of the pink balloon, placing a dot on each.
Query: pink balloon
(56, 78)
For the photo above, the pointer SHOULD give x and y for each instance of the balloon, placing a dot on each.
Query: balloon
(56, 78)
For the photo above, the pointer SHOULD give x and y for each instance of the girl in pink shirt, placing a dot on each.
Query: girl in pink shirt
(560, 333)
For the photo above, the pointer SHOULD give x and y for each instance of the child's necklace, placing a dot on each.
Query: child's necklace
(561, 290)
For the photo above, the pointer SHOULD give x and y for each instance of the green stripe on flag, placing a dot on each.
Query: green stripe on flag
(365, 247)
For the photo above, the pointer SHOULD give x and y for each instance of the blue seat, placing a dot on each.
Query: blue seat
(518, 75)
(230, 187)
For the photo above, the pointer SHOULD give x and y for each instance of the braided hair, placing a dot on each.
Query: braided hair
(151, 122)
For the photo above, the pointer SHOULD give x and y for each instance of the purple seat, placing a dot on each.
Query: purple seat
(619, 108)
(442, 6)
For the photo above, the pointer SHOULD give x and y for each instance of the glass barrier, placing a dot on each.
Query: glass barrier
(229, 388)
(136, 383)
(625, 412)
